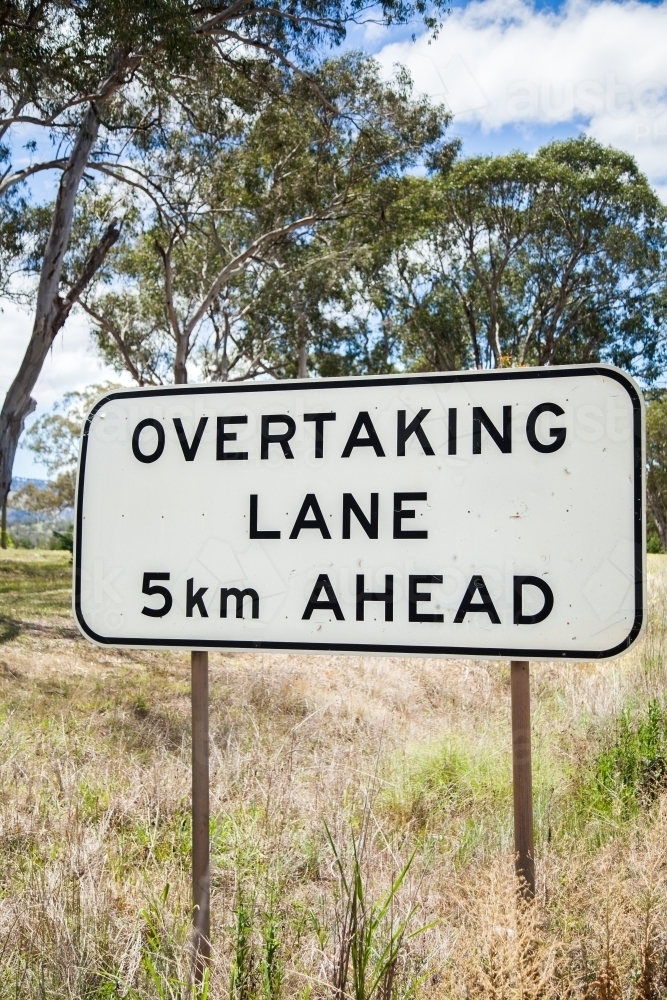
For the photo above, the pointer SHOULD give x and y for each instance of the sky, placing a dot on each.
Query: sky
(515, 75)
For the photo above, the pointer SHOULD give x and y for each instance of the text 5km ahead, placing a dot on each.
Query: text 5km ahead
(476, 600)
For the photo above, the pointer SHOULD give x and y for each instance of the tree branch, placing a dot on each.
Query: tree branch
(130, 63)
(19, 105)
(272, 50)
(237, 263)
(224, 15)
(21, 175)
(118, 338)
(94, 261)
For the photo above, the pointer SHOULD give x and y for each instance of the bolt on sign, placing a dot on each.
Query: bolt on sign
(485, 514)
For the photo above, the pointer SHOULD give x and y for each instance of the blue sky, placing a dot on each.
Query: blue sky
(515, 75)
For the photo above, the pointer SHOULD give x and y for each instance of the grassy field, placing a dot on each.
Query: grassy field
(330, 777)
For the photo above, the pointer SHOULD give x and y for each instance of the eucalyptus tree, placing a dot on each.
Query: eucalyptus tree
(241, 207)
(330, 308)
(547, 259)
(656, 463)
(82, 81)
(54, 440)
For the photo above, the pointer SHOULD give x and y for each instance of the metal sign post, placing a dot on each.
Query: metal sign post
(201, 865)
(522, 777)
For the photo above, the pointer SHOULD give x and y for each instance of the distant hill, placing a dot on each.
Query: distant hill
(18, 483)
(25, 517)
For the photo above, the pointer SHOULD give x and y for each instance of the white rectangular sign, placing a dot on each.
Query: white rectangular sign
(486, 514)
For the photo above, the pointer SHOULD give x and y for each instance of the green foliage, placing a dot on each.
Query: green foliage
(455, 793)
(249, 218)
(457, 786)
(53, 498)
(93, 801)
(137, 65)
(272, 958)
(14, 233)
(163, 938)
(243, 976)
(64, 539)
(53, 54)
(370, 936)
(54, 440)
(653, 542)
(554, 258)
(447, 776)
(656, 464)
(628, 774)
(259, 922)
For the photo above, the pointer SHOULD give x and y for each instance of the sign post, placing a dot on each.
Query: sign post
(522, 777)
(483, 514)
(201, 865)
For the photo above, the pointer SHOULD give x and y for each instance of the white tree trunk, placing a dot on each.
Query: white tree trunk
(302, 371)
(51, 311)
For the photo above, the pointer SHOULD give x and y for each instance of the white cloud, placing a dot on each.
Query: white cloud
(502, 62)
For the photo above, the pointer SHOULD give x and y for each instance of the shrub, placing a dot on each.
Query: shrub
(63, 540)
(631, 771)
(653, 543)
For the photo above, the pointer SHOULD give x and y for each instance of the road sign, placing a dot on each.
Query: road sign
(487, 514)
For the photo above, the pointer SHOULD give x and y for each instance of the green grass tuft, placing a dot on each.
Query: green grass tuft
(628, 774)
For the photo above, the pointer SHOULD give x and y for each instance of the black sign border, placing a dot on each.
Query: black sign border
(487, 653)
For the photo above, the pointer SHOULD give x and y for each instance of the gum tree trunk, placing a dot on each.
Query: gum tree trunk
(51, 310)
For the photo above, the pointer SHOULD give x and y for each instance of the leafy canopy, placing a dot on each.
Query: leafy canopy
(236, 208)
(54, 440)
(55, 57)
(135, 65)
(547, 259)
(656, 462)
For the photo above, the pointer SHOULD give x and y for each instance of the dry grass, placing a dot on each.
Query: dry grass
(94, 817)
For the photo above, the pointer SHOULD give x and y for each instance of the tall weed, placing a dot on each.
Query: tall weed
(370, 935)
